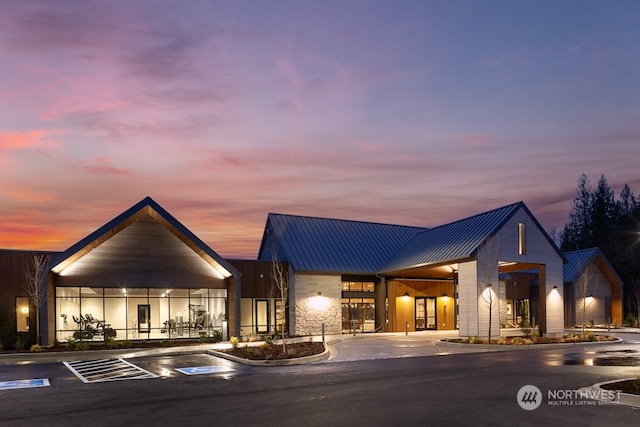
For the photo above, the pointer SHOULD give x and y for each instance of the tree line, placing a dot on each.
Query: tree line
(598, 219)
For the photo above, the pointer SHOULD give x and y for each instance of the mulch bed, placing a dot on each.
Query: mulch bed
(530, 341)
(266, 352)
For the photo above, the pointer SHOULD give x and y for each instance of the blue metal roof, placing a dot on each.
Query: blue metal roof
(455, 241)
(577, 261)
(332, 245)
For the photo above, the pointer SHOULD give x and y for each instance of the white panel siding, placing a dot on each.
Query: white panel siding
(594, 309)
(488, 297)
(538, 251)
(313, 310)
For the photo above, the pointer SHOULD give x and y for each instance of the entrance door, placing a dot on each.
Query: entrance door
(262, 316)
(144, 318)
(425, 313)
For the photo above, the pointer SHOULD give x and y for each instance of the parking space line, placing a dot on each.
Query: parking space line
(199, 370)
(9, 385)
(93, 371)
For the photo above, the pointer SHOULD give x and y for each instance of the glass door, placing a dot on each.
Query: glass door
(430, 313)
(425, 313)
(144, 318)
(262, 316)
(421, 320)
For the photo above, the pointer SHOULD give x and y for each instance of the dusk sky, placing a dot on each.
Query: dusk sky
(404, 112)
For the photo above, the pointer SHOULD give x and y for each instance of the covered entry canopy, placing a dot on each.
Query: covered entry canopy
(144, 247)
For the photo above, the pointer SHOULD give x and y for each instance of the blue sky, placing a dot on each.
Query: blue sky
(407, 112)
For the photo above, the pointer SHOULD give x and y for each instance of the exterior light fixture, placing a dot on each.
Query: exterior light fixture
(406, 294)
(445, 295)
(319, 294)
(489, 285)
(555, 286)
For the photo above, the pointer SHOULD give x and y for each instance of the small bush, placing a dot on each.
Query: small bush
(265, 346)
(126, 344)
(636, 383)
(216, 336)
(631, 320)
(167, 343)
(526, 328)
(110, 342)
(268, 340)
(71, 344)
(81, 346)
(21, 343)
(535, 335)
(36, 348)
(234, 342)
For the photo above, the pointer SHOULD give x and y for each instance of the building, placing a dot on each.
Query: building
(144, 275)
(371, 277)
(593, 290)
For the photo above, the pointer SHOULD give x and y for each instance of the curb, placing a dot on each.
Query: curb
(623, 398)
(283, 362)
(504, 347)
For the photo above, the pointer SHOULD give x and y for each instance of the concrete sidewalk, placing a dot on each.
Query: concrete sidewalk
(344, 347)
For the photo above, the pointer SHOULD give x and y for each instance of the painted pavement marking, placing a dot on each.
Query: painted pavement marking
(9, 385)
(199, 370)
(94, 371)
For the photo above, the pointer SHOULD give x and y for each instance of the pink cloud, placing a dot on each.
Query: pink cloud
(101, 166)
(22, 140)
(475, 138)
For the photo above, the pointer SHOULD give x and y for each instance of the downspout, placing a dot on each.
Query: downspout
(381, 303)
(237, 299)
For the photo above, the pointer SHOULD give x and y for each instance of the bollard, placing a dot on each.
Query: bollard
(406, 327)
(322, 332)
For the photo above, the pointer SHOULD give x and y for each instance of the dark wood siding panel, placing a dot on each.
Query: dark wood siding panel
(256, 278)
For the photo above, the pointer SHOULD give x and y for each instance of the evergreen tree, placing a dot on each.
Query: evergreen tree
(577, 233)
(603, 217)
(627, 203)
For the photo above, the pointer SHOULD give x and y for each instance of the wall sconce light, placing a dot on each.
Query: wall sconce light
(489, 285)
(319, 294)
(590, 296)
(406, 294)
(555, 286)
(445, 295)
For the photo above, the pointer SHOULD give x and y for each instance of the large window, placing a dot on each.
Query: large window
(358, 314)
(22, 314)
(358, 286)
(358, 306)
(138, 313)
(522, 238)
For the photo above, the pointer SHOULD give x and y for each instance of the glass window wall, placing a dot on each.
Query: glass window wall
(138, 313)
